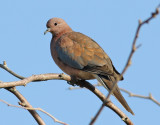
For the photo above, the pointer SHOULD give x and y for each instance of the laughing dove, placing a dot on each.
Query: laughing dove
(80, 56)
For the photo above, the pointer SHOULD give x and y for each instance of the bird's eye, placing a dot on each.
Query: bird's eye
(55, 24)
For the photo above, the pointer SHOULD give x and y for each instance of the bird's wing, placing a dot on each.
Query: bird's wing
(81, 52)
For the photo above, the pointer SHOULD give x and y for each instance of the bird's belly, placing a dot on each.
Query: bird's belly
(69, 70)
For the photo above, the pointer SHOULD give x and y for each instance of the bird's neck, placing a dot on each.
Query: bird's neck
(58, 35)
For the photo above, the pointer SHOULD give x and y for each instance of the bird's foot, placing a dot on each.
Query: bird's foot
(73, 81)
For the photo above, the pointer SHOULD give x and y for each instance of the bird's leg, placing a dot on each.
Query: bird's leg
(81, 83)
(73, 81)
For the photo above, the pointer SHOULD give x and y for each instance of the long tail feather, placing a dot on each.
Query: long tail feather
(108, 83)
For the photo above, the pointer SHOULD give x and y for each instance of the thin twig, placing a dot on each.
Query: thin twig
(150, 97)
(4, 66)
(39, 109)
(153, 15)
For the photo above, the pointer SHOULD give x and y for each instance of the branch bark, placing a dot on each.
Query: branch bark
(35, 78)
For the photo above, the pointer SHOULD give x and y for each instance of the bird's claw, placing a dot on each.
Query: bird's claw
(71, 83)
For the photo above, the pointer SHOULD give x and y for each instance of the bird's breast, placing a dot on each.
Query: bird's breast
(66, 68)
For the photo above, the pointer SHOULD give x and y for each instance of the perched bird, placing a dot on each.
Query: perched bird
(80, 56)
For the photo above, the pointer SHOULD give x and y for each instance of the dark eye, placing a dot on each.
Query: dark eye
(55, 24)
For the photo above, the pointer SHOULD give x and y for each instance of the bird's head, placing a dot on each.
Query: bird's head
(57, 26)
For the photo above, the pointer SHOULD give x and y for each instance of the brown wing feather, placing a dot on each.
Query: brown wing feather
(81, 52)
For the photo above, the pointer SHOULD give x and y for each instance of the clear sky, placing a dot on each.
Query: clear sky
(112, 24)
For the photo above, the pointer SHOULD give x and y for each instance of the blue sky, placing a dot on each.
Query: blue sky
(112, 24)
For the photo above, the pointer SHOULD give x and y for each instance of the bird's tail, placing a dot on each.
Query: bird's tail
(108, 83)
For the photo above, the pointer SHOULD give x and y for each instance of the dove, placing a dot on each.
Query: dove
(81, 57)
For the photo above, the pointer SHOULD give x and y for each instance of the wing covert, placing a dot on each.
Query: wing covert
(81, 52)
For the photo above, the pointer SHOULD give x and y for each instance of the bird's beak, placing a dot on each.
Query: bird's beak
(48, 30)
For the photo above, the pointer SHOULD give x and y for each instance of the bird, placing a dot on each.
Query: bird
(82, 58)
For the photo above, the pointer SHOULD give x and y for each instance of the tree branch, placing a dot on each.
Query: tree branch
(153, 15)
(51, 76)
(10, 86)
(41, 77)
(102, 97)
(150, 97)
(25, 103)
(33, 109)
(4, 66)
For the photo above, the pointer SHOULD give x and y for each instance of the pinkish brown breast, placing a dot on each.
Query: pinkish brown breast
(67, 69)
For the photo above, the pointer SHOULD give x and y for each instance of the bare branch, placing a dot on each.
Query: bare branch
(34, 78)
(102, 97)
(41, 77)
(150, 97)
(4, 66)
(25, 103)
(23, 82)
(39, 109)
(153, 15)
